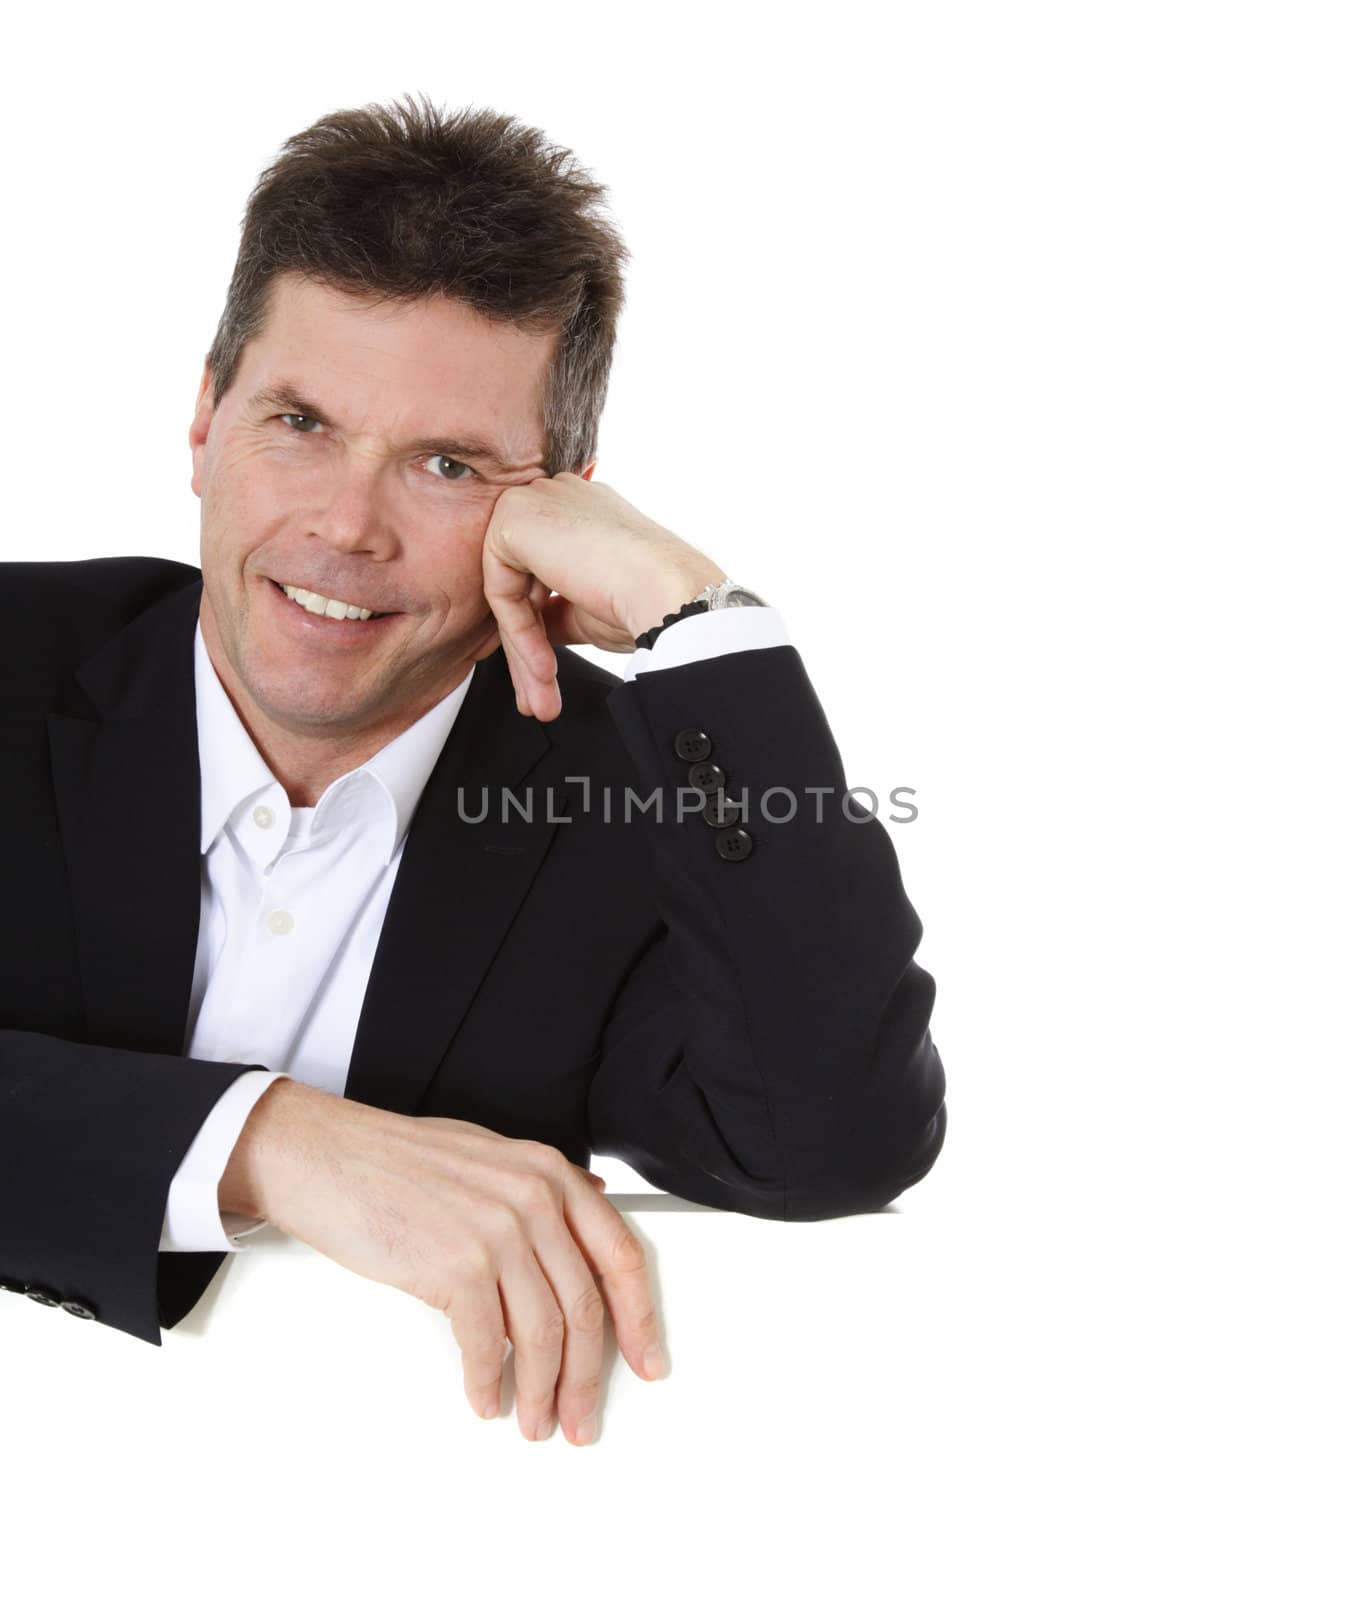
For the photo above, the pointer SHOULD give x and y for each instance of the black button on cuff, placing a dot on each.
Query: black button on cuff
(706, 775)
(44, 1297)
(14, 1285)
(78, 1308)
(734, 844)
(719, 812)
(692, 744)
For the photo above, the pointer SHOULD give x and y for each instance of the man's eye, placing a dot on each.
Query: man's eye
(443, 462)
(289, 418)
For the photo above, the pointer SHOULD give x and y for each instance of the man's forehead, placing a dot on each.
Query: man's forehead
(298, 305)
(446, 380)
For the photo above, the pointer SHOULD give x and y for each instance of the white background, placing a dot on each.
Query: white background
(1015, 352)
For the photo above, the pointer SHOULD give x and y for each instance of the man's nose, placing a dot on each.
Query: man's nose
(357, 518)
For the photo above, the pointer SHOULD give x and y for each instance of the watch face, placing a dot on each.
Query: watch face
(743, 597)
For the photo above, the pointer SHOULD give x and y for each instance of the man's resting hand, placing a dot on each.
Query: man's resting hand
(459, 1215)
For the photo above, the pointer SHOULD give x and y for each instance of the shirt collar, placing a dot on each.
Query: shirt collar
(232, 770)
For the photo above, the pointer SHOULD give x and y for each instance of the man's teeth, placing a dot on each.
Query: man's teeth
(321, 606)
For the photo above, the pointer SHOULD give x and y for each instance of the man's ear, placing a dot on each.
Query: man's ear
(199, 426)
(588, 470)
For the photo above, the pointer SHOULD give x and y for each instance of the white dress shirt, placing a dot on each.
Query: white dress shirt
(292, 900)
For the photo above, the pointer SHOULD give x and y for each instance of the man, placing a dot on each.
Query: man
(276, 946)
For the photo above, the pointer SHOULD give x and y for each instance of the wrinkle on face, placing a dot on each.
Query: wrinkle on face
(348, 510)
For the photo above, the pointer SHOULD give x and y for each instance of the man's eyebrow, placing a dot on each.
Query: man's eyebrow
(286, 397)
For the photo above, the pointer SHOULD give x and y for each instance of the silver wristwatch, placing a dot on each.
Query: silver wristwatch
(715, 597)
(727, 593)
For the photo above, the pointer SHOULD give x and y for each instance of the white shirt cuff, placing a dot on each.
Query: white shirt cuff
(193, 1220)
(709, 633)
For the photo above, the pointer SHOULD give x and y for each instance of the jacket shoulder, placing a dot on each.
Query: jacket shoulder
(118, 586)
(57, 613)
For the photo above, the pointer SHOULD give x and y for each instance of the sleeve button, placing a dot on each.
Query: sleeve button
(78, 1308)
(734, 844)
(692, 744)
(719, 812)
(706, 775)
(44, 1297)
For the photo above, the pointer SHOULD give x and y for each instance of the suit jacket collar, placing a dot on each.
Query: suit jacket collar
(134, 868)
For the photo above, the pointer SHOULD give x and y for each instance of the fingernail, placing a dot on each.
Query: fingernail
(490, 1410)
(546, 1429)
(584, 1433)
(653, 1361)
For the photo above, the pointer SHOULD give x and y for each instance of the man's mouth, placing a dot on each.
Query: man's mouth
(329, 607)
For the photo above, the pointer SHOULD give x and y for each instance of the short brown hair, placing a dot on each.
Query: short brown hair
(402, 201)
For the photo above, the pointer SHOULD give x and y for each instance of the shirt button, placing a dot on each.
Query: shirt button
(280, 922)
(263, 817)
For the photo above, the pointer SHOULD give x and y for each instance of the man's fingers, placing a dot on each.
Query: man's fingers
(520, 626)
(559, 1359)
(535, 698)
(476, 1319)
(515, 598)
(559, 618)
(619, 1258)
(538, 1327)
(531, 660)
(581, 1360)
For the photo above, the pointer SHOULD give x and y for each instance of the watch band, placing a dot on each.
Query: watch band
(715, 597)
(692, 609)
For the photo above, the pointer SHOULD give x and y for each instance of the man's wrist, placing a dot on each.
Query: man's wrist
(267, 1154)
(670, 594)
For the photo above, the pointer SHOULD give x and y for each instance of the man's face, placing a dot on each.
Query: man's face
(341, 461)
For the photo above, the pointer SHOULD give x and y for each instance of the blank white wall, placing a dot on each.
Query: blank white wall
(1015, 353)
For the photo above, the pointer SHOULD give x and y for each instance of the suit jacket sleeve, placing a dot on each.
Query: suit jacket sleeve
(769, 1051)
(90, 1138)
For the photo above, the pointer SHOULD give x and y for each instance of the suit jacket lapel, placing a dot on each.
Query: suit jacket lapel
(459, 885)
(127, 790)
(128, 800)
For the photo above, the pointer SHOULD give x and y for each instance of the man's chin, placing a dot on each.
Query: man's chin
(307, 700)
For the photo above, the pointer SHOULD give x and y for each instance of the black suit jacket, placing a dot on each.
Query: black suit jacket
(748, 1033)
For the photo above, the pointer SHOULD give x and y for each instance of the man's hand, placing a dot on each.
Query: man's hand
(567, 561)
(503, 1236)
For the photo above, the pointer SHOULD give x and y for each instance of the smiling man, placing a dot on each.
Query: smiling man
(318, 510)
(276, 945)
